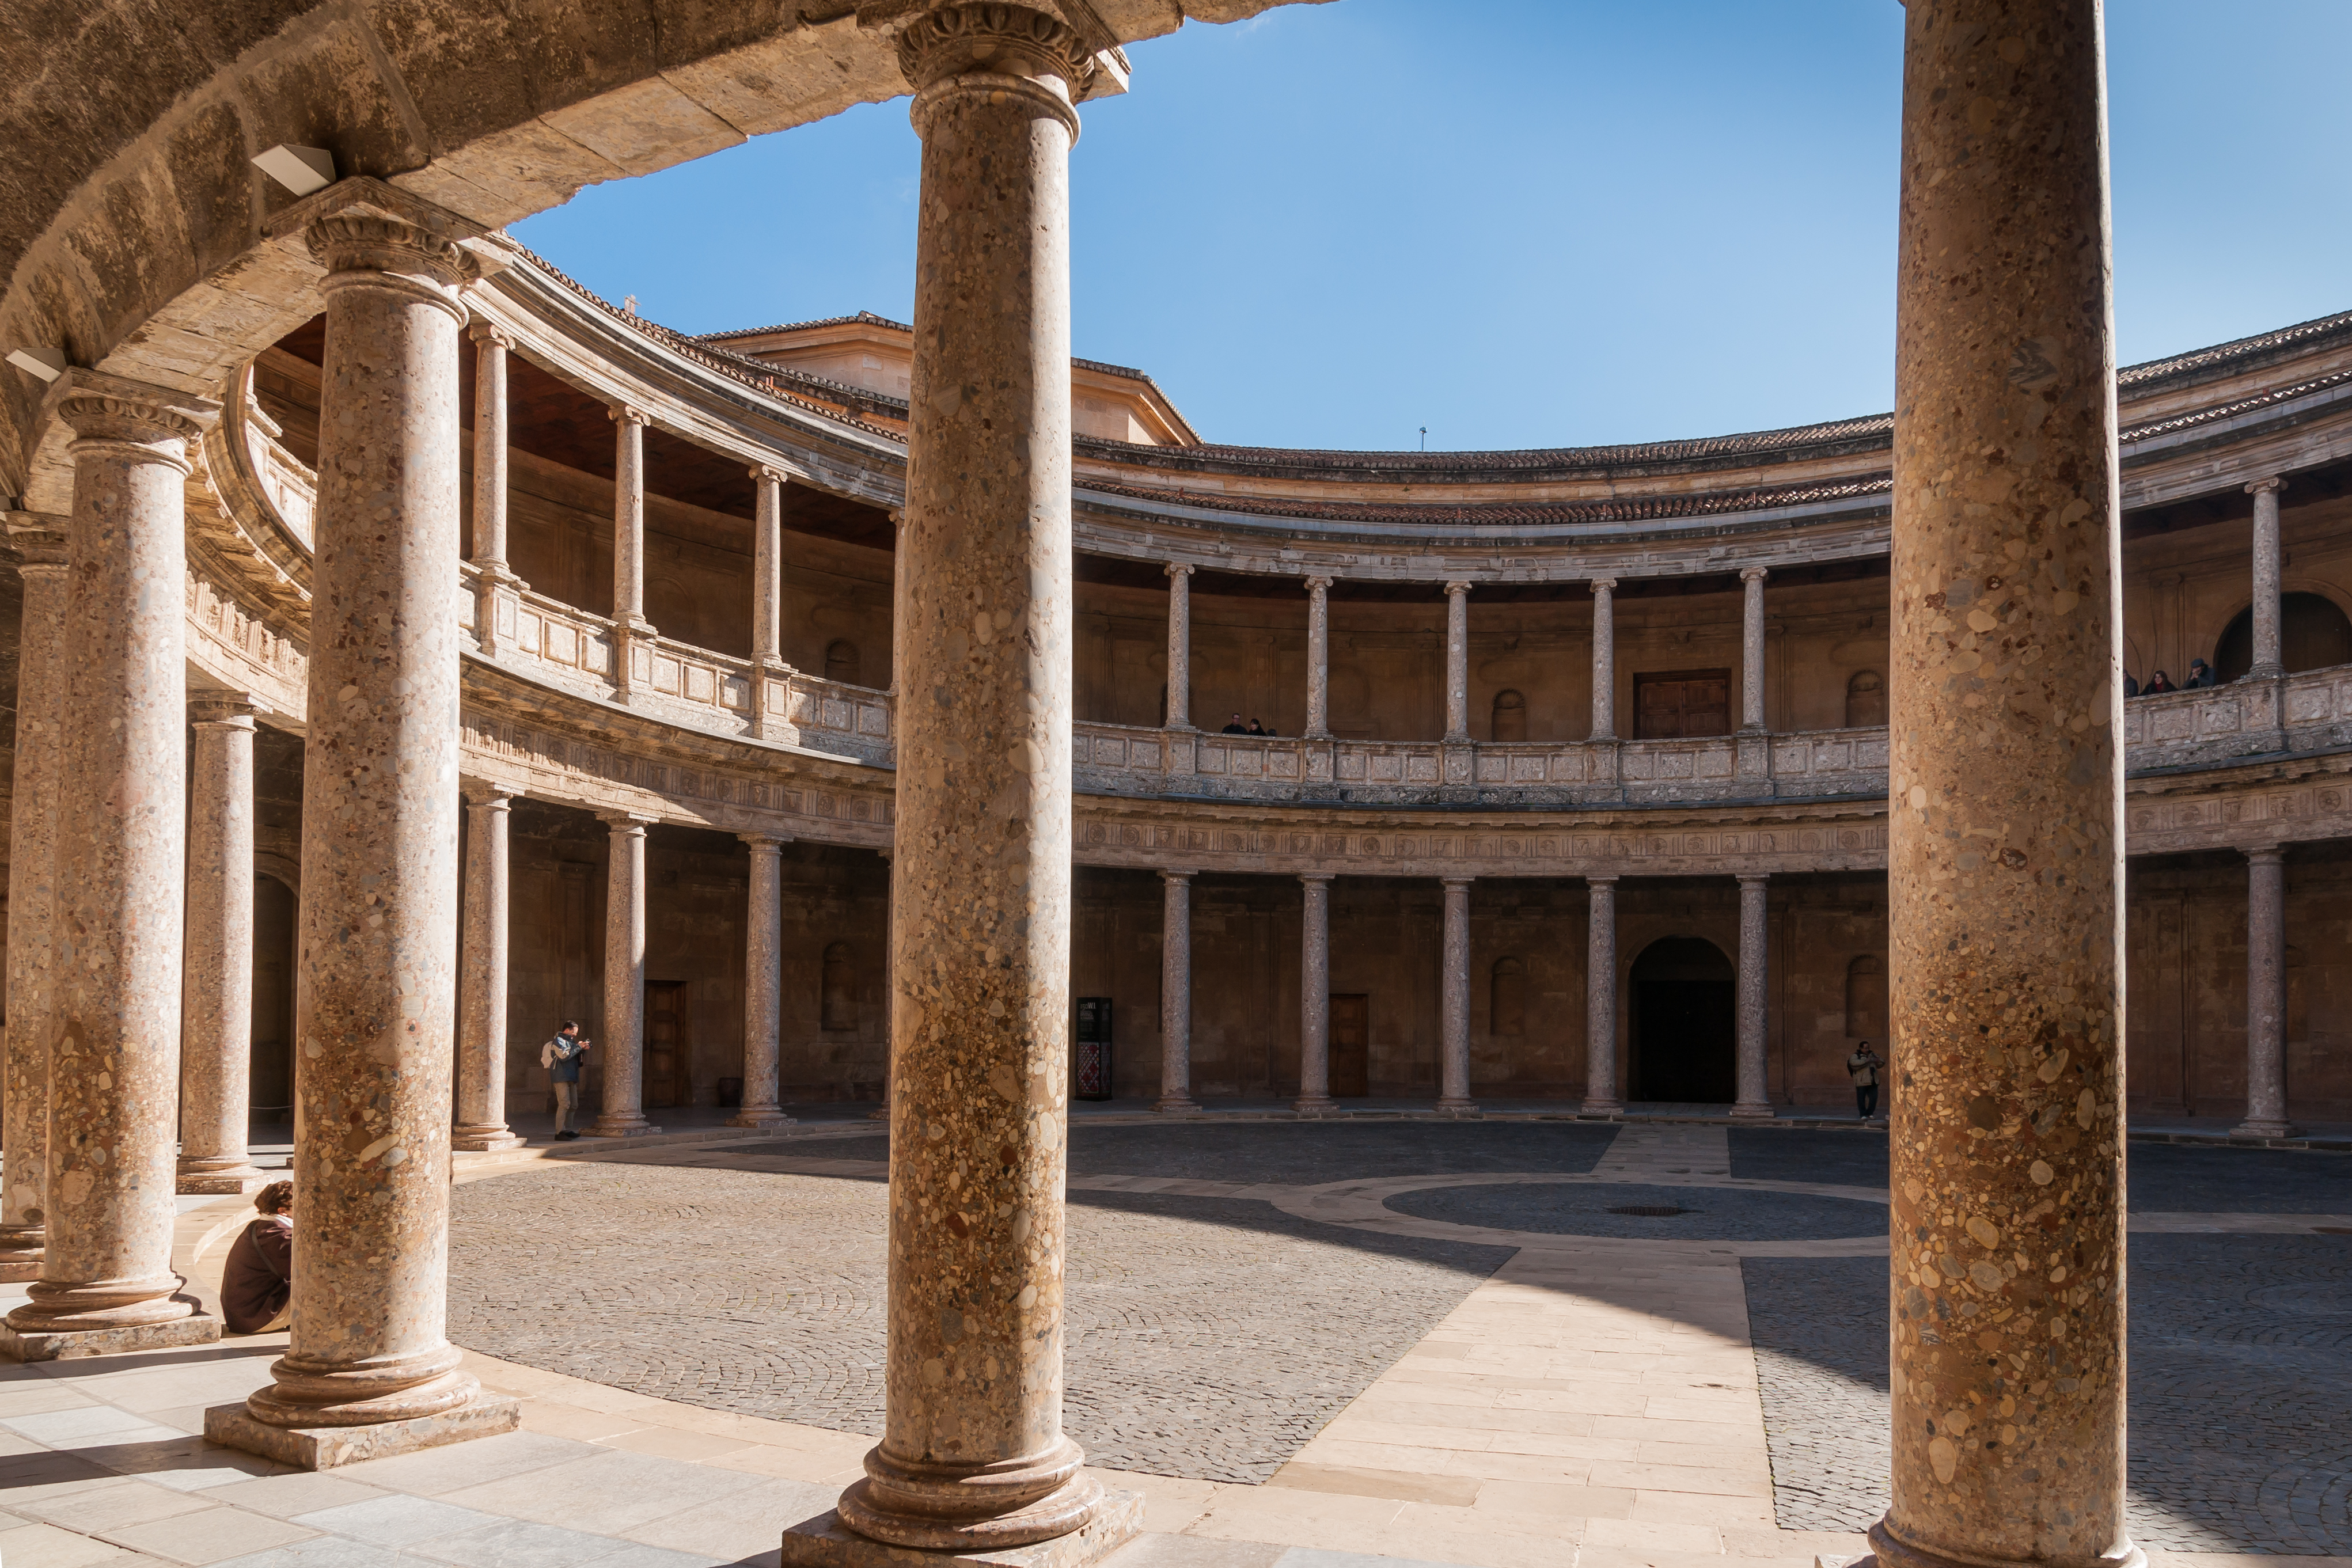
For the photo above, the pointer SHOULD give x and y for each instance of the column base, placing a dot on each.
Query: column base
(599, 1128)
(2254, 1129)
(325, 1447)
(756, 1117)
(1457, 1110)
(1316, 1109)
(1745, 1111)
(1602, 1108)
(1175, 1104)
(236, 1179)
(199, 1327)
(880, 1113)
(20, 1252)
(825, 1542)
(1886, 1551)
(482, 1140)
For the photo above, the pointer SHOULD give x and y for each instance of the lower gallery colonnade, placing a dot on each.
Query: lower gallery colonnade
(1990, 508)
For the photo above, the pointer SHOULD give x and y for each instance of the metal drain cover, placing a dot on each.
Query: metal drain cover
(1651, 1210)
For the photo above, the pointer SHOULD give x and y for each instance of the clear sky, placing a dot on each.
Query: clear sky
(1527, 223)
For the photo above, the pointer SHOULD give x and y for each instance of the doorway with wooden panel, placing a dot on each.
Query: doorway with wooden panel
(1675, 702)
(1352, 1047)
(667, 1045)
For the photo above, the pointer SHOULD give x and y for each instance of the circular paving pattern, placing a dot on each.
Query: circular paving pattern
(1595, 1208)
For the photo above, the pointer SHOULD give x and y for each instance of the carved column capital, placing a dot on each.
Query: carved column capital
(1754, 573)
(1319, 584)
(766, 843)
(626, 822)
(1602, 585)
(224, 710)
(1600, 882)
(1178, 569)
(484, 797)
(772, 475)
(1177, 876)
(994, 38)
(1455, 588)
(39, 549)
(491, 334)
(622, 413)
(378, 250)
(2270, 486)
(142, 423)
(2266, 854)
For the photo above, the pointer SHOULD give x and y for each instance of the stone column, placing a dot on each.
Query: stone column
(1755, 1098)
(1454, 1062)
(623, 1048)
(1751, 648)
(106, 1279)
(2268, 665)
(34, 819)
(1175, 992)
(369, 1370)
(974, 1456)
(881, 1113)
(630, 626)
(1179, 646)
(1604, 658)
(1600, 1000)
(2005, 854)
(481, 1124)
(217, 990)
(1319, 658)
(1457, 662)
(2265, 996)
(494, 581)
(1315, 998)
(763, 986)
(770, 720)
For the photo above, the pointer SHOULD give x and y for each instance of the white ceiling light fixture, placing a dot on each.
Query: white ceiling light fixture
(47, 364)
(301, 170)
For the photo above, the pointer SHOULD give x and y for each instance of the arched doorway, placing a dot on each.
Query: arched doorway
(2313, 635)
(1684, 1036)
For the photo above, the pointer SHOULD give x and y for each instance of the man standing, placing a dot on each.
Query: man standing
(562, 1056)
(1863, 1068)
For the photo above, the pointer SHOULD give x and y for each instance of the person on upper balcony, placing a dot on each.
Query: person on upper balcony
(2158, 682)
(2200, 674)
(2131, 684)
(1237, 726)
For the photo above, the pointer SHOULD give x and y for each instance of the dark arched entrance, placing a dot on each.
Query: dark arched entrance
(1684, 1035)
(2313, 635)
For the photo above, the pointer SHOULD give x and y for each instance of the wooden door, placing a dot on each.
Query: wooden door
(667, 1045)
(1351, 1046)
(1682, 701)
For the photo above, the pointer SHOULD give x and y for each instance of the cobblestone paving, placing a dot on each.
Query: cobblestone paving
(1847, 1160)
(1715, 1214)
(764, 1294)
(2241, 1366)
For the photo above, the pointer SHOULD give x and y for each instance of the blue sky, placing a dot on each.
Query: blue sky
(1540, 223)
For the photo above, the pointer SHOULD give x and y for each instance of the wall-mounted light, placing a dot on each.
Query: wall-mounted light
(47, 364)
(301, 170)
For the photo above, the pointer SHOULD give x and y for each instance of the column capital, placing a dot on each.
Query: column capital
(993, 39)
(1455, 588)
(622, 822)
(768, 475)
(1179, 569)
(1451, 883)
(898, 516)
(769, 842)
(491, 334)
(1598, 882)
(2270, 486)
(1319, 584)
(2266, 854)
(360, 246)
(1604, 585)
(115, 410)
(1753, 878)
(1177, 876)
(1317, 876)
(1754, 573)
(225, 710)
(487, 797)
(622, 413)
(40, 541)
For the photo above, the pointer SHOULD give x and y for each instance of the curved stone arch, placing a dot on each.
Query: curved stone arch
(2242, 608)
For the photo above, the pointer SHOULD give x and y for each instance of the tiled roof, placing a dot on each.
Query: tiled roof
(1623, 509)
(2299, 335)
(863, 319)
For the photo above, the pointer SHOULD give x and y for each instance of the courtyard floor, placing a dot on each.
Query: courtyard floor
(1437, 1341)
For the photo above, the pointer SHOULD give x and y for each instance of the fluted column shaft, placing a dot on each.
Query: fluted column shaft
(973, 1455)
(2265, 995)
(1755, 1098)
(34, 814)
(1457, 661)
(1751, 647)
(2005, 855)
(1453, 1061)
(763, 986)
(1180, 647)
(2268, 660)
(1319, 658)
(377, 994)
(482, 988)
(216, 991)
(1315, 996)
(1175, 992)
(1604, 658)
(622, 1114)
(1600, 1097)
(115, 1074)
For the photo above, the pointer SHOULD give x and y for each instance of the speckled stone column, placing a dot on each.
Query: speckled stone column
(106, 1279)
(973, 1455)
(34, 819)
(1601, 998)
(1454, 1062)
(764, 984)
(771, 721)
(481, 1124)
(217, 990)
(2268, 665)
(881, 1113)
(1751, 647)
(1175, 992)
(1179, 646)
(2265, 996)
(1604, 658)
(494, 576)
(1457, 661)
(630, 626)
(2005, 855)
(1755, 1099)
(374, 1011)
(623, 1048)
(1319, 658)
(1315, 998)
